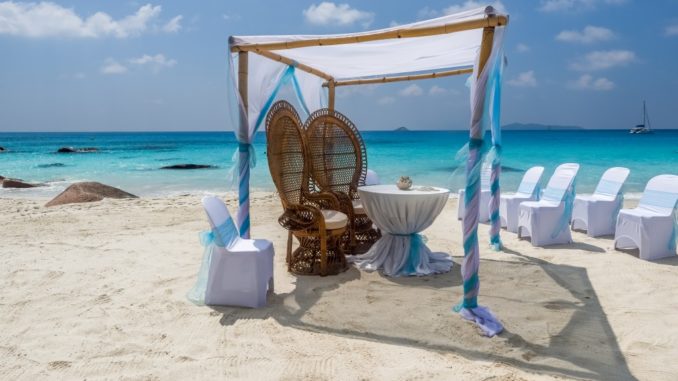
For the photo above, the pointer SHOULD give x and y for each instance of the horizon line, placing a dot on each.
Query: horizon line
(392, 130)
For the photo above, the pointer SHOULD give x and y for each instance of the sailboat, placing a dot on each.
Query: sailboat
(643, 128)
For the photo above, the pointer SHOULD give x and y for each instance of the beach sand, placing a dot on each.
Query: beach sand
(97, 291)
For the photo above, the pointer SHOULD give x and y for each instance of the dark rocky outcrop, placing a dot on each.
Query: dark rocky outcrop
(77, 150)
(16, 183)
(188, 166)
(50, 165)
(88, 192)
(2, 149)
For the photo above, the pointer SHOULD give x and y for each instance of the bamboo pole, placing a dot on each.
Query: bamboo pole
(400, 78)
(489, 21)
(287, 61)
(330, 90)
(242, 78)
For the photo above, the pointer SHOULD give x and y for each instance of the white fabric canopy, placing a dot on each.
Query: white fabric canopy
(385, 57)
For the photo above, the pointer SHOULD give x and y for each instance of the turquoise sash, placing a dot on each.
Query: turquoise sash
(223, 235)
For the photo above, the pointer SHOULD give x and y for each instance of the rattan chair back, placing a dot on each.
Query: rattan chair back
(286, 153)
(337, 155)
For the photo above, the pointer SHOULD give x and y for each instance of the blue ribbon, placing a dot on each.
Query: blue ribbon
(416, 242)
(620, 203)
(673, 241)
(564, 221)
(608, 187)
(287, 76)
(537, 192)
(223, 235)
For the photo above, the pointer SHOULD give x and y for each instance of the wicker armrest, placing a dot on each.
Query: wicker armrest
(300, 217)
(323, 200)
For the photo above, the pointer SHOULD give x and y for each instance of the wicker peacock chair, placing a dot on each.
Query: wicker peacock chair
(339, 165)
(312, 217)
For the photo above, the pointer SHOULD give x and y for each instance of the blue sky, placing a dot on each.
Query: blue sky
(161, 66)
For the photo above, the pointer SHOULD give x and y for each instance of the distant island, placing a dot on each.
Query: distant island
(538, 127)
(401, 129)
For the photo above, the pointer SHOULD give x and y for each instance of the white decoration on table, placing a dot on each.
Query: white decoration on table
(404, 183)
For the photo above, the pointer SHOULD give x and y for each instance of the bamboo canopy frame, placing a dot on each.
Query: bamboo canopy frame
(486, 87)
(265, 49)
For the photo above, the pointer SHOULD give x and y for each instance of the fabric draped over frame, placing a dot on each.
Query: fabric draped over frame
(356, 58)
(266, 79)
(485, 107)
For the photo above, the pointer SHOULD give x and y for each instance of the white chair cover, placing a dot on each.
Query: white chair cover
(652, 226)
(235, 271)
(528, 190)
(597, 213)
(485, 195)
(372, 178)
(546, 221)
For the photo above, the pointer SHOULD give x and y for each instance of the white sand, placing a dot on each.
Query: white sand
(96, 291)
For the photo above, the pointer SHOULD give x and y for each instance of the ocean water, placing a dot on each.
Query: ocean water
(132, 161)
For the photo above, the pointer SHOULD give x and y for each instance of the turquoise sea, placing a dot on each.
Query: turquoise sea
(131, 161)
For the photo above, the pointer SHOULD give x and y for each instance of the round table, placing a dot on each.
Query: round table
(401, 215)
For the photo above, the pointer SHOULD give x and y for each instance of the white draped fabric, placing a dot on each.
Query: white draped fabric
(401, 215)
(652, 227)
(386, 57)
(597, 213)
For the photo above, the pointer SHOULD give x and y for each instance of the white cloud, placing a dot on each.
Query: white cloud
(588, 35)
(156, 62)
(522, 48)
(429, 13)
(112, 66)
(603, 59)
(173, 26)
(412, 90)
(525, 79)
(350, 91)
(588, 82)
(575, 5)
(393, 23)
(472, 4)
(231, 17)
(671, 30)
(328, 13)
(437, 90)
(386, 100)
(46, 19)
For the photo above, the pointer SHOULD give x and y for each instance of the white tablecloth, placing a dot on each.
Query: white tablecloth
(400, 215)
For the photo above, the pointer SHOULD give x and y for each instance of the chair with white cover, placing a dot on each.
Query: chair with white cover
(235, 271)
(372, 178)
(547, 221)
(485, 195)
(653, 225)
(528, 190)
(597, 213)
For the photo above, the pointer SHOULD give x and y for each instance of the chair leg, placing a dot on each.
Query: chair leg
(289, 246)
(323, 253)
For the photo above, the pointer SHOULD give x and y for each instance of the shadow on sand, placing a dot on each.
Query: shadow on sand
(553, 318)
